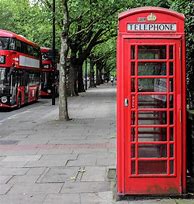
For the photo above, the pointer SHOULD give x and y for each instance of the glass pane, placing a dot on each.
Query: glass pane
(171, 52)
(152, 118)
(171, 117)
(152, 134)
(152, 85)
(152, 167)
(171, 150)
(132, 167)
(171, 85)
(152, 52)
(171, 67)
(171, 134)
(132, 85)
(132, 134)
(171, 101)
(132, 68)
(171, 166)
(132, 151)
(152, 101)
(152, 68)
(152, 150)
(160, 85)
(133, 52)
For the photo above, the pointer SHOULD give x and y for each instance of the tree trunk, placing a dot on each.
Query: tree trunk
(63, 106)
(80, 78)
(86, 75)
(71, 89)
(100, 76)
(98, 79)
(92, 83)
(74, 69)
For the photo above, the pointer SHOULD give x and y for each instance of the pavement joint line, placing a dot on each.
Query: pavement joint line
(9, 179)
(42, 175)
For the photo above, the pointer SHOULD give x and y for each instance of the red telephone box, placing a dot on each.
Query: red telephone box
(151, 102)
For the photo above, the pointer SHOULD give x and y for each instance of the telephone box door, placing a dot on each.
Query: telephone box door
(152, 116)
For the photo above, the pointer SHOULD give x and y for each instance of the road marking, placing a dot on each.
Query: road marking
(14, 116)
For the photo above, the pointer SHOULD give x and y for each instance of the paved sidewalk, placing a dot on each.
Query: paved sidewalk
(56, 162)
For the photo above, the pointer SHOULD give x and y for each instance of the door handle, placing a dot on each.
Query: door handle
(126, 102)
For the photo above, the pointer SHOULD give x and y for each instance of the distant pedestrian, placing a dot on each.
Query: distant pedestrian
(112, 80)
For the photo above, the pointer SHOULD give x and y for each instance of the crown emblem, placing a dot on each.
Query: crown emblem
(151, 17)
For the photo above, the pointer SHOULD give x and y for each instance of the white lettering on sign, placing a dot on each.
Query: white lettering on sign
(151, 27)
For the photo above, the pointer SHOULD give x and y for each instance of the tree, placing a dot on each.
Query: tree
(63, 106)
(90, 27)
(26, 19)
(187, 8)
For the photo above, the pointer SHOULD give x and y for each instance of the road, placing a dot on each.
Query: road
(42, 105)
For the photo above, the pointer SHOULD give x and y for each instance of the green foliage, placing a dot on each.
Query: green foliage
(34, 21)
(187, 8)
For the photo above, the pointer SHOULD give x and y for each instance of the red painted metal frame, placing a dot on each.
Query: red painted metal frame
(128, 183)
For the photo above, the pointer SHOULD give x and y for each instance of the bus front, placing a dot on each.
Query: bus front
(47, 72)
(7, 76)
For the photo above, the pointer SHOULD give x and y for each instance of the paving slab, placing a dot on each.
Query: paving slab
(22, 199)
(34, 189)
(97, 198)
(12, 171)
(36, 171)
(4, 188)
(85, 187)
(58, 175)
(4, 179)
(24, 158)
(56, 150)
(95, 174)
(25, 179)
(52, 160)
(12, 164)
(62, 199)
(83, 160)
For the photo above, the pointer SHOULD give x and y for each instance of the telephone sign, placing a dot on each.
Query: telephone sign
(151, 27)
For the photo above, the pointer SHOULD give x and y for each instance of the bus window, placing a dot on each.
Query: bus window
(24, 48)
(44, 56)
(4, 43)
(30, 49)
(18, 46)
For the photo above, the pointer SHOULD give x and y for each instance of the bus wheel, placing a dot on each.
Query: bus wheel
(19, 102)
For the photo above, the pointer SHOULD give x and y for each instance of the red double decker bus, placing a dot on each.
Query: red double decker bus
(49, 73)
(20, 68)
